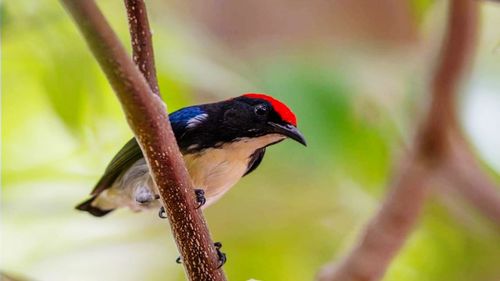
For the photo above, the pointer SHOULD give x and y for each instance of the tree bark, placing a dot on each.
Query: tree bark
(142, 41)
(148, 119)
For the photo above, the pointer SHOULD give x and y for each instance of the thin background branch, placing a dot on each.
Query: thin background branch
(147, 116)
(463, 172)
(388, 230)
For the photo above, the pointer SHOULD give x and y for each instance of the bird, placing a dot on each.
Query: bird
(220, 143)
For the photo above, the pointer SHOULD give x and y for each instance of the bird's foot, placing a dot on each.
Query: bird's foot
(220, 255)
(162, 213)
(200, 197)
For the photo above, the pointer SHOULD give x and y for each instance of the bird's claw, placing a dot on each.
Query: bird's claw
(220, 255)
(162, 213)
(200, 197)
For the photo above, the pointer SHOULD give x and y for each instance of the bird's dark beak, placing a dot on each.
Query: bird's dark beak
(288, 131)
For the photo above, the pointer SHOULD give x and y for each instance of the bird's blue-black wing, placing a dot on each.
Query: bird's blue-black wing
(185, 119)
(126, 157)
(131, 152)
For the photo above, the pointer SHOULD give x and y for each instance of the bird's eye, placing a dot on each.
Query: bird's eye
(260, 110)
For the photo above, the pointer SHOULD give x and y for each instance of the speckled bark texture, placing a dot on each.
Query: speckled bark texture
(142, 42)
(147, 116)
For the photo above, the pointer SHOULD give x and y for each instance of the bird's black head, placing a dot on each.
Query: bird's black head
(254, 115)
(245, 117)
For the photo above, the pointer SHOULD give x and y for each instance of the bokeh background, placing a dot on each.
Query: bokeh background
(354, 72)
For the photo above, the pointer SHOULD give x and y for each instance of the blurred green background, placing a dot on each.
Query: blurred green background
(355, 77)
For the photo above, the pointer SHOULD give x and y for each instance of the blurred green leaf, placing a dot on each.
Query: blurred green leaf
(324, 105)
(420, 8)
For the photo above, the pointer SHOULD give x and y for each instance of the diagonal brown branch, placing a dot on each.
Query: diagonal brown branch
(142, 41)
(387, 231)
(147, 116)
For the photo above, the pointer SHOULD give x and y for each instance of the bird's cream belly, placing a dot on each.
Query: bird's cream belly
(215, 170)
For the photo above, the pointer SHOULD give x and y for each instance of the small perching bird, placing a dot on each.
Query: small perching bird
(220, 143)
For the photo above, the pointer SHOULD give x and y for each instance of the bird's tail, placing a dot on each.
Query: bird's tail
(95, 211)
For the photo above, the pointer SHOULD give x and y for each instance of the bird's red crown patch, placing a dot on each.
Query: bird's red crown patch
(283, 110)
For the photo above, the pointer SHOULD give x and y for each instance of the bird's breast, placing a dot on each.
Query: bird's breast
(216, 170)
